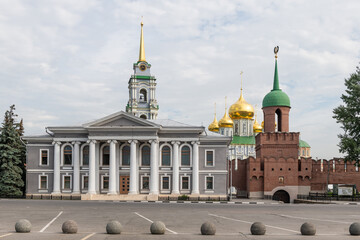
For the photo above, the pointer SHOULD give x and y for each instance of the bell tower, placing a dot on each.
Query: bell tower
(142, 86)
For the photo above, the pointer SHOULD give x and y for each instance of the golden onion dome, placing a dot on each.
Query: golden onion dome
(226, 121)
(214, 126)
(257, 127)
(241, 109)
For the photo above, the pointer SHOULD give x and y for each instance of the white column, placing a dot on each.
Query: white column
(195, 167)
(56, 187)
(154, 164)
(134, 187)
(112, 168)
(92, 170)
(175, 165)
(76, 171)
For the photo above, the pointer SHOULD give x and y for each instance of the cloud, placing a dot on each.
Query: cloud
(70, 62)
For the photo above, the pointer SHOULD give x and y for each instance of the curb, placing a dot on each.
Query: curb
(187, 202)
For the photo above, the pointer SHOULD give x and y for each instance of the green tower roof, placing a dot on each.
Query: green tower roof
(304, 144)
(276, 97)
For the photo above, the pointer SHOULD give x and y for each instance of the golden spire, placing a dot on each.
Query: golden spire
(142, 48)
(241, 108)
(214, 126)
(226, 120)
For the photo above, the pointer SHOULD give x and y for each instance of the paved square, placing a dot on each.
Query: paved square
(183, 220)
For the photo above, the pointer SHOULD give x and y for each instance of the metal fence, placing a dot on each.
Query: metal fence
(328, 197)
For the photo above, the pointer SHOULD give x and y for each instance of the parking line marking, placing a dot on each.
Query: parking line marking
(237, 220)
(173, 232)
(5, 235)
(88, 236)
(47, 225)
(315, 219)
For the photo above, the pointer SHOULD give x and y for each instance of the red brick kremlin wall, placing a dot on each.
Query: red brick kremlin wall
(251, 176)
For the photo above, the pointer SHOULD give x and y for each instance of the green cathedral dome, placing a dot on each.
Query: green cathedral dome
(276, 97)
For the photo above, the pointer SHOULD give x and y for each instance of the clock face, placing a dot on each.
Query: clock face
(142, 67)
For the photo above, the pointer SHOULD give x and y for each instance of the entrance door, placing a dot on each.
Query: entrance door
(124, 184)
(281, 195)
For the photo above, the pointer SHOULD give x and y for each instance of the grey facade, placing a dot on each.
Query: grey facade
(197, 159)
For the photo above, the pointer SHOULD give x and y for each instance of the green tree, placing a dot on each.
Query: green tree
(348, 115)
(11, 182)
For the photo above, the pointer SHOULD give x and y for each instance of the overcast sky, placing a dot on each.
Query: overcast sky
(68, 62)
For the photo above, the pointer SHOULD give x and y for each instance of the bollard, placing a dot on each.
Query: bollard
(23, 226)
(157, 227)
(354, 229)
(69, 226)
(258, 228)
(113, 227)
(208, 228)
(308, 229)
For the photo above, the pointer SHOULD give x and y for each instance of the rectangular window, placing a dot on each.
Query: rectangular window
(209, 158)
(209, 183)
(86, 182)
(145, 183)
(43, 182)
(67, 182)
(85, 156)
(165, 183)
(185, 183)
(44, 157)
(105, 182)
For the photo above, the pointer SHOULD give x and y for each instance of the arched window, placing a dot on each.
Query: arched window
(143, 96)
(145, 156)
(85, 153)
(279, 118)
(67, 155)
(126, 156)
(143, 116)
(165, 156)
(106, 156)
(185, 156)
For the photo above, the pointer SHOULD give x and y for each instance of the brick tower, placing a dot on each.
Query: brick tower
(277, 147)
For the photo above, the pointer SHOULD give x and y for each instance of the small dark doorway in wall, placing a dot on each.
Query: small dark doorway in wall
(143, 116)
(281, 195)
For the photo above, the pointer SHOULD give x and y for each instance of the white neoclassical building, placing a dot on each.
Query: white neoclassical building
(128, 155)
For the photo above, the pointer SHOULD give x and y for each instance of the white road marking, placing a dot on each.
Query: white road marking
(173, 232)
(315, 219)
(88, 236)
(47, 225)
(5, 235)
(237, 220)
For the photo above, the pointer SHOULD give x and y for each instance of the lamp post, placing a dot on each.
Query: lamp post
(230, 159)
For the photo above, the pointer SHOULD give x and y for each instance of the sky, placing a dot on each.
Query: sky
(68, 62)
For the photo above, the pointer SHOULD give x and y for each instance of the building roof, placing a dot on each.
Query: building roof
(169, 123)
(243, 140)
(304, 144)
(276, 97)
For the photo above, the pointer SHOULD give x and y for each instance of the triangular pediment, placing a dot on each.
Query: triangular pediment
(120, 119)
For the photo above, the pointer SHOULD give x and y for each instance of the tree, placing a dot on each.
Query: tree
(11, 162)
(348, 115)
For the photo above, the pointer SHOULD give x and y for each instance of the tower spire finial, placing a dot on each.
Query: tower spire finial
(142, 48)
(215, 110)
(241, 79)
(276, 77)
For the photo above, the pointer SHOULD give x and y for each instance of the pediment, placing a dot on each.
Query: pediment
(120, 119)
